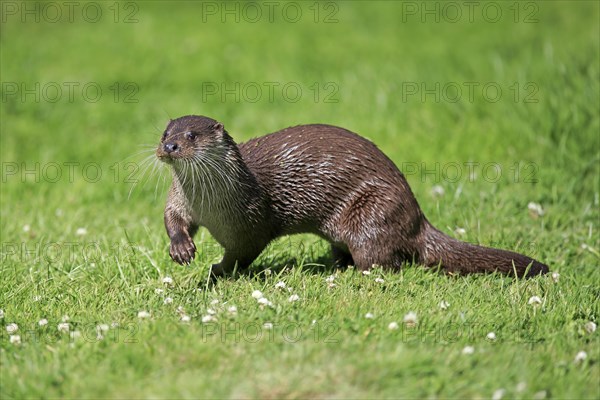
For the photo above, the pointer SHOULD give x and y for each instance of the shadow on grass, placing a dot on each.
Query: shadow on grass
(317, 266)
(312, 256)
(323, 265)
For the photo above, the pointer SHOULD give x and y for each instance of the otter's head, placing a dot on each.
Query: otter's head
(187, 137)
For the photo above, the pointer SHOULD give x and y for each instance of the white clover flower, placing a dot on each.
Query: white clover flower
(437, 191)
(1, 314)
(581, 357)
(43, 322)
(267, 272)
(214, 302)
(143, 314)
(460, 231)
(534, 300)
(114, 325)
(167, 300)
(207, 318)
(159, 291)
(590, 327)
(102, 328)
(185, 318)
(210, 311)
(280, 285)
(232, 310)
(257, 294)
(366, 272)
(410, 319)
(293, 298)
(542, 394)
(444, 305)
(65, 318)
(393, 326)
(81, 232)
(15, 339)
(491, 336)
(264, 301)
(498, 394)
(369, 315)
(379, 280)
(331, 285)
(26, 228)
(37, 298)
(268, 325)
(535, 209)
(555, 277)
(330, 279)
(63, 327)
(12, 328)
(468, 350)
(167, 280)
(179, 310)
(314, 321)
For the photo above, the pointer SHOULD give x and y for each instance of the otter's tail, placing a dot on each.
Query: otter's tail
(460, 257)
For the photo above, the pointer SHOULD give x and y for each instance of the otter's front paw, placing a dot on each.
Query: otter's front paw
(182, 250)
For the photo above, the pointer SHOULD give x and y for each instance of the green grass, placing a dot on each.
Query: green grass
(321, 346)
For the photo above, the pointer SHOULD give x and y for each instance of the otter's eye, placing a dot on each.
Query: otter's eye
(190, 135)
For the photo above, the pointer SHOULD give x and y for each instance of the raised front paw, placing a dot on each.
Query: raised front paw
(182, 250)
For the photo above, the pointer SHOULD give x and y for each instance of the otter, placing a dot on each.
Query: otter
(318, 179)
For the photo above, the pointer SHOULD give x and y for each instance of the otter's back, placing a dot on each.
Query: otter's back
(310, 171)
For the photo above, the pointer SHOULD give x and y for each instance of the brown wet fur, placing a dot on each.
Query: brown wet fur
(317, 179)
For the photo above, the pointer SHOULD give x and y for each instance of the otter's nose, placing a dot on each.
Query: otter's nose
(170, 147)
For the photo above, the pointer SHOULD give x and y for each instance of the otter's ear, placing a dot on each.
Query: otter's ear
(218, 128)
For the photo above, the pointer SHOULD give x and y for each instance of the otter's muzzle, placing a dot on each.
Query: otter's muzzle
(170, 147)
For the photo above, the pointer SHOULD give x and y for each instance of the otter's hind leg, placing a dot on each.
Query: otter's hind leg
(341, 257)
(368, 255)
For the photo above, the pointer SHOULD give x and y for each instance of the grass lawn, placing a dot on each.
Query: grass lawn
(485, 109)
